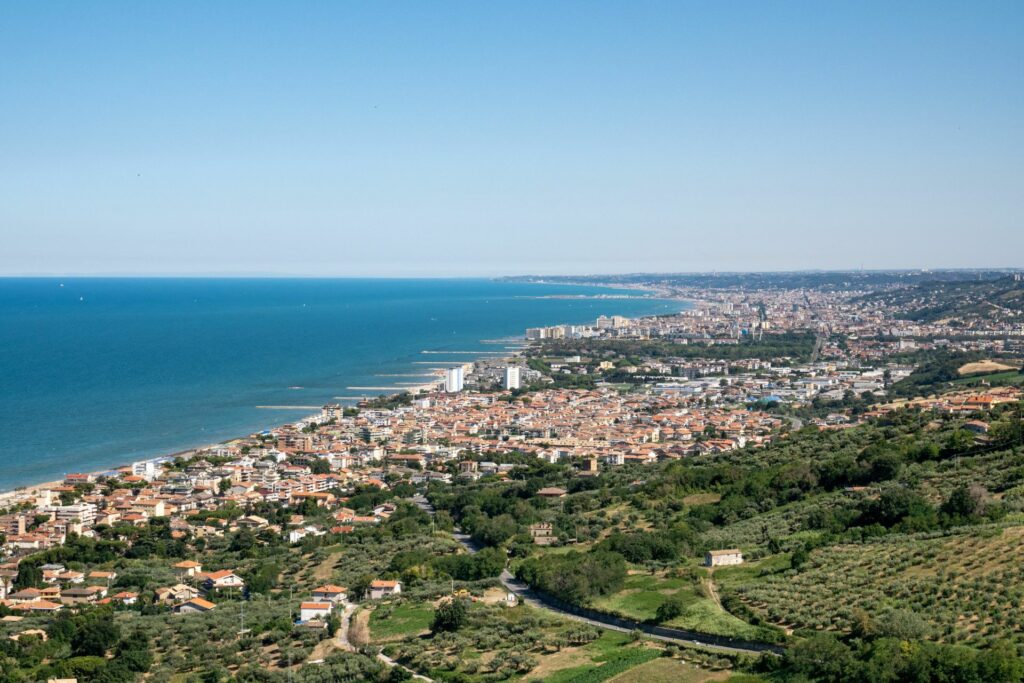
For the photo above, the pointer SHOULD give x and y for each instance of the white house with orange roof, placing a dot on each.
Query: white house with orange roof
(382, 588)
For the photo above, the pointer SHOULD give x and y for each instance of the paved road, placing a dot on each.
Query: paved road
(538, 601)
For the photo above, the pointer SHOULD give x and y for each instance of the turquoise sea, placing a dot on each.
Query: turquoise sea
(100, 372)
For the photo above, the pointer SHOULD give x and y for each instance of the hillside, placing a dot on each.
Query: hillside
(842, 531)
(983, 301)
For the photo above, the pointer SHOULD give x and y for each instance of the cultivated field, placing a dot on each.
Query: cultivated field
(968, 587)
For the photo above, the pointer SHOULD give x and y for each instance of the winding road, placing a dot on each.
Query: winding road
(608, 621)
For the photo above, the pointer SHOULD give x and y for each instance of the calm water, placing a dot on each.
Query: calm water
(100, 372)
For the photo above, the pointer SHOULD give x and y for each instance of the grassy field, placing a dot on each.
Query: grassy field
(644, 593)
(641, 595)
(994, 379)
(392, 623)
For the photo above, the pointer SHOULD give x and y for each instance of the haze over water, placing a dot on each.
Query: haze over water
(99, 372)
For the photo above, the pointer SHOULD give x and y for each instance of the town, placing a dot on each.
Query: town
(736, 373)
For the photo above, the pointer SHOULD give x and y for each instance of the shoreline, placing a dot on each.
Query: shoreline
(21, 493)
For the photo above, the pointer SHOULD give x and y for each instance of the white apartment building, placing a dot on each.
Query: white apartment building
(453, 380)
(83, 512)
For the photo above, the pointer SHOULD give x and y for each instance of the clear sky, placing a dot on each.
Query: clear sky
(485, 138)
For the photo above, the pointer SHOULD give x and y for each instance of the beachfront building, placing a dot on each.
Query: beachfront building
(453, 380)
(512, 380)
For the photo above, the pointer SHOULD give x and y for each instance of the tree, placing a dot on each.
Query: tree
(965, 505)
(822, 658)
(361, 586)
(799, 557)
(672, 608)
(29, 576)
(902, 624)
(450, 615)
(95, 635)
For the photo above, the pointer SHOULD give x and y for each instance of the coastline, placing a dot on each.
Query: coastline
(24, 492)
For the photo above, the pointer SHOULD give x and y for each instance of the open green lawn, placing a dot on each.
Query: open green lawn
(706, 616)
(387, 623)
(641, 595)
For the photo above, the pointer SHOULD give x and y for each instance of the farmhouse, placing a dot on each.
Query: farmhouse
(723, 558)
(542, 533)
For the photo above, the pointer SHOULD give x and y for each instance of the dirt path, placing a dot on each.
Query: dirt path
(390, 662)
(713, 591)
(359, 629)
(340, 640)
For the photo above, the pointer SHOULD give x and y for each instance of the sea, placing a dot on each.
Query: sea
(100, 372)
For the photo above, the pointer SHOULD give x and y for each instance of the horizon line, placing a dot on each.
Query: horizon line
(635, 273)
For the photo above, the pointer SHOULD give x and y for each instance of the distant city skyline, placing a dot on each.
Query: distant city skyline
(461, 139)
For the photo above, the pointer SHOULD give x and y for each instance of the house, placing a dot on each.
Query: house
(71, 577)
(127, 598)
(224, 578)
(551, 492)
(380, 588)
(24, 595)
(193, 606)
(178, 593)
(77, 596)
(106, 577)
(41, 606)
(314, 611)
(723, 558)
(542, 533)
(330, 593)
(187, 568)
(251, 522)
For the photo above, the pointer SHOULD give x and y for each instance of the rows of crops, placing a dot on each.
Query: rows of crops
(968, 587)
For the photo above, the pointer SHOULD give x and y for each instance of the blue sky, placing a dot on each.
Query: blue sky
(480, 138)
